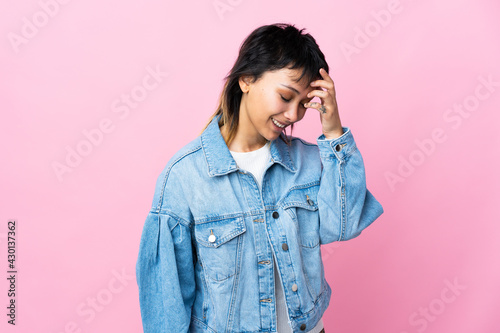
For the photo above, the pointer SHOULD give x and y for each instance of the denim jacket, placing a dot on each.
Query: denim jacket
(206, 249)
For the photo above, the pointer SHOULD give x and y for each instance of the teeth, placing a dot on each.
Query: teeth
(277, 123)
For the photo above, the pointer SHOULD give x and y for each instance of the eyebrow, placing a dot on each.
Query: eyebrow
(291, 88)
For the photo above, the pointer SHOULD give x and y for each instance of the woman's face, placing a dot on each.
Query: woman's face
(275, 97)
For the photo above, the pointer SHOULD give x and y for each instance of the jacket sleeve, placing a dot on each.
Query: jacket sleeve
(165, 270)
(345, 205)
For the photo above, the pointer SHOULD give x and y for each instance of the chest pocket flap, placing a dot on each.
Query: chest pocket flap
(303, 197)
(216, 233)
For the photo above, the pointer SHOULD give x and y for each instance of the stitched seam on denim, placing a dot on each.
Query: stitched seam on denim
(312, 293)
(280, 280)
(164, 307)
(327, 144)
(240, 181)
(302, 186)
(171, 214)
(217, 172)
(294, 219)
(218, 218)
(300, 204)
(350, 151)
(338, 155)
(294, 277)
(305, 185)
(297, 187)
(307, 143)
(201, 323)
(175, 225)
(291, 168)
(167, 173)
(314, 308)
(342, 201)
(206, 297)
(239, 253)
(346, 133)
(240, 228)
(310, 247)
(209, 292)
(219, 280)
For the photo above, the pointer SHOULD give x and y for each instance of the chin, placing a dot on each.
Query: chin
(274, 136)
(270, 136)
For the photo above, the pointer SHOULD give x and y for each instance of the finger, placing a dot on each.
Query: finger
(318, 93)
(322, 84)
(314, 105)
(325, 75)
(329, 84)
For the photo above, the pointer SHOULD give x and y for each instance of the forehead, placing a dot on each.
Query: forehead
(288, 77)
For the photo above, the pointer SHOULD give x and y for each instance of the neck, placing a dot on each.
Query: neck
(242, 142)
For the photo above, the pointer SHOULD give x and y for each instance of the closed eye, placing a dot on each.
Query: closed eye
(301, 104)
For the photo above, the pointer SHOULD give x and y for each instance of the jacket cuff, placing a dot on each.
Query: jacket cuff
(339, 147)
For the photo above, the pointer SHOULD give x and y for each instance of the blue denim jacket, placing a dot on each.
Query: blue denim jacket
(205, 255)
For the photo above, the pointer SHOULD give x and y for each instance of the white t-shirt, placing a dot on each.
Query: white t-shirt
(255, 162)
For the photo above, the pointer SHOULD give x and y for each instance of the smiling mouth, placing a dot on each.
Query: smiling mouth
(279, 124)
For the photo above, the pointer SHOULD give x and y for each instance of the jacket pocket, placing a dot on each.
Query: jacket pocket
(219, 245)
(301, 205)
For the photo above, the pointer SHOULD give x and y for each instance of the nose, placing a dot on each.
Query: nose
(292, 113)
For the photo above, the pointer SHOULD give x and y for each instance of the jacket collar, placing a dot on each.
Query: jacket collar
(219, 158)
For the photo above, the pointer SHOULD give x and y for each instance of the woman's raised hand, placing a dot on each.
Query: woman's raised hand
(328, 109)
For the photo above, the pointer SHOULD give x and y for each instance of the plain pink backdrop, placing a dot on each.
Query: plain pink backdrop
(402, 71)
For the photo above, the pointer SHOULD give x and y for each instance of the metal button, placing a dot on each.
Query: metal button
(284, 246)
(303, 327)
(211, 238)
(276, 215)
(294, 287)
(338, 147)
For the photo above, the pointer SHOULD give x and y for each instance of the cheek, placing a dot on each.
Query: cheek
(268, 106)
(265, 104)
(260, 102)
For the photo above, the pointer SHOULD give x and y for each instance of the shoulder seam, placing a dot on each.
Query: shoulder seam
(160, 200)
(304, 141)
(176, 217)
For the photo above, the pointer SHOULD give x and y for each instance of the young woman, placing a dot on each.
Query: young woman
(232, 240)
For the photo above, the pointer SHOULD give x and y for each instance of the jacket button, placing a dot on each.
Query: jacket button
(294, 287)
(211, 238)
(284, 246)
(303, 327)
(338, 147)
(276, 215)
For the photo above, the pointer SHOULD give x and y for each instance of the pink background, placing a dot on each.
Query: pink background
(430, 263)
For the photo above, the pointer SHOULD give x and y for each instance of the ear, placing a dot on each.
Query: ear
(244, 82)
